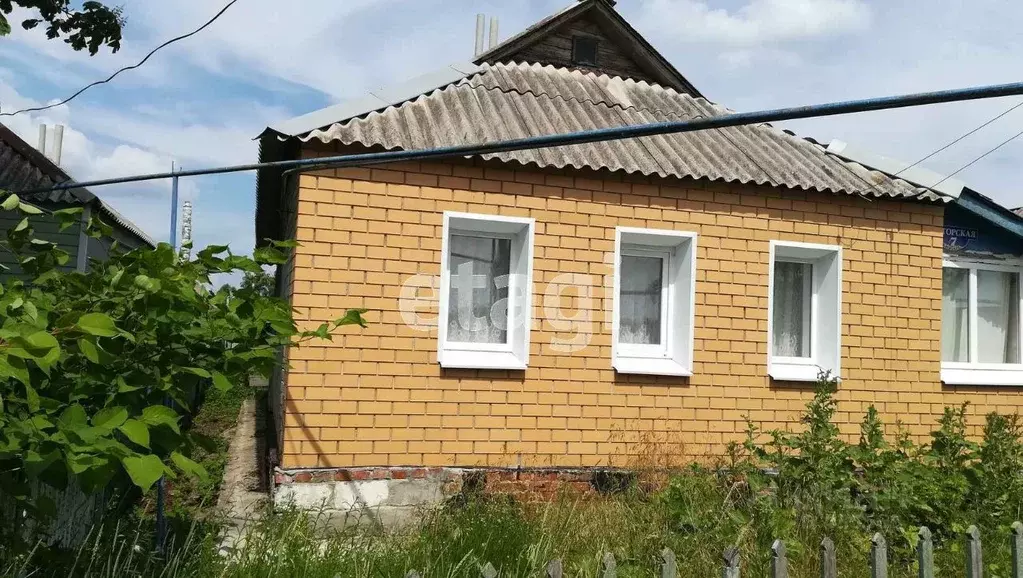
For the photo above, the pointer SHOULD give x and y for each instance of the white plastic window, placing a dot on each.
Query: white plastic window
(654, 293)
(486, 281)
(805, 301)
(980, 324)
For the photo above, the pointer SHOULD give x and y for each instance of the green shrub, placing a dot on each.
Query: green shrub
(99, 370)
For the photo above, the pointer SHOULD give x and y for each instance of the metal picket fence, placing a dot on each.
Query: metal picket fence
(731, 559)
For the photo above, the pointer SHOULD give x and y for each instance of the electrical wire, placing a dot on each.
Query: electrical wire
(126, 68)
(955, 141)
(976, 160)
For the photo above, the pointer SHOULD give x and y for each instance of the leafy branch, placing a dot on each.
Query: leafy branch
(99, 369)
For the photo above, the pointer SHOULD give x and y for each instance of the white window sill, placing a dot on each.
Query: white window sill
(794, 372)
(651, 366)
(481, 360)
(1007, 375)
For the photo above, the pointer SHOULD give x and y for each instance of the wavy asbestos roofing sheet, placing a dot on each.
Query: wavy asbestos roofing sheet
(509, 101)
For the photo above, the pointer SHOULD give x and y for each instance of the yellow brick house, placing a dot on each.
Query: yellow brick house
(558, 311)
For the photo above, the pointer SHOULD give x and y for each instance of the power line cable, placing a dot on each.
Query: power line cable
(126, 68)
(874, 187)
(976, 160)
(955, 141)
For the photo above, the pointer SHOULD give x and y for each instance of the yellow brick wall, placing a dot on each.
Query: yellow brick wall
(378, 397)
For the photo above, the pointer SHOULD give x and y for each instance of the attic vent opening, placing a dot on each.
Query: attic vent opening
(584, 50)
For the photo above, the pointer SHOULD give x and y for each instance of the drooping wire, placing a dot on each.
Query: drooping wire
(976, 160)
(126, 68)
(955, 141)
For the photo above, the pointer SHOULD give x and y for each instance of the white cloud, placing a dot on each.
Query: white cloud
(192, 143)
(268, 37)
(758, 22)
(145, 204)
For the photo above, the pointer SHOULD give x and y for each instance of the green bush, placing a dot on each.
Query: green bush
(99, 370)
(802, 486)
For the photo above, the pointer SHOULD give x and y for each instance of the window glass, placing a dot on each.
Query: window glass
(584, 50)
(955, 321)
(642, 281)
(791, 315)
(478, 298)
(997, 317)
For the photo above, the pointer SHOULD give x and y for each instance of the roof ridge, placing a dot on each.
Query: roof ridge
(572, 72)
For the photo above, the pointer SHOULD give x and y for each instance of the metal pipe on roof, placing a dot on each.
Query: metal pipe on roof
(493, 32)
(588, 136)
(481, 22)
(42, 139)
(58, 143)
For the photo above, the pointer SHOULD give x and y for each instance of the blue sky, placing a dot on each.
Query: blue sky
(200, 102)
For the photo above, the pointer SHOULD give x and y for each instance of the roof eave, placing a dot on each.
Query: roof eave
(991, 211)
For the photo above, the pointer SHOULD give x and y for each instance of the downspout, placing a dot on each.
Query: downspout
(83, 240)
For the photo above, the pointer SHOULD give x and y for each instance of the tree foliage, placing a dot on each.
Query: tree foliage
(99, 370)
(91, 27)
(260, 281)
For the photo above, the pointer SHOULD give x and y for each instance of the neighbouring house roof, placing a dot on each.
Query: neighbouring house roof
(603, 14)
(23, 167)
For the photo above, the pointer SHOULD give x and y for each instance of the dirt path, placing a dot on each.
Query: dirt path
(242, 492)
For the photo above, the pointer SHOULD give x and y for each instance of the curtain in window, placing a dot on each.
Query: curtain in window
(478, 297)
(955, 313)
(640, 318)
(998, 317)
(791, 315)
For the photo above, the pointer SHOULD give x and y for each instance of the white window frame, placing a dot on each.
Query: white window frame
(514, 353)
(824, 326)
(674, 355)
(975, 373)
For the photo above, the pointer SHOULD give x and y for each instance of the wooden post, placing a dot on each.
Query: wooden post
(669, 566)
(829, 566)
(925, 553)
(610, 566)
(878, 557)
(554, 569)
(412, 574)
(489, 571)
(779, 563)
(731, 562)
(1017, 549)
(974, 555)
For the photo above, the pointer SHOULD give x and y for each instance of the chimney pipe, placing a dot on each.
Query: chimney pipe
(481, 23)
(493, 32)
(42, 139)
(58, 143)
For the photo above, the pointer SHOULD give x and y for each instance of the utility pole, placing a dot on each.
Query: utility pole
(174, 209)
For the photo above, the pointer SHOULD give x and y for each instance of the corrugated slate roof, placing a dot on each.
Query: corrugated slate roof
(20, 170)
(507, 101)
(23, 167)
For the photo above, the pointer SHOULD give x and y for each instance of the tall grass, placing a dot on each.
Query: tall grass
(518, 539)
